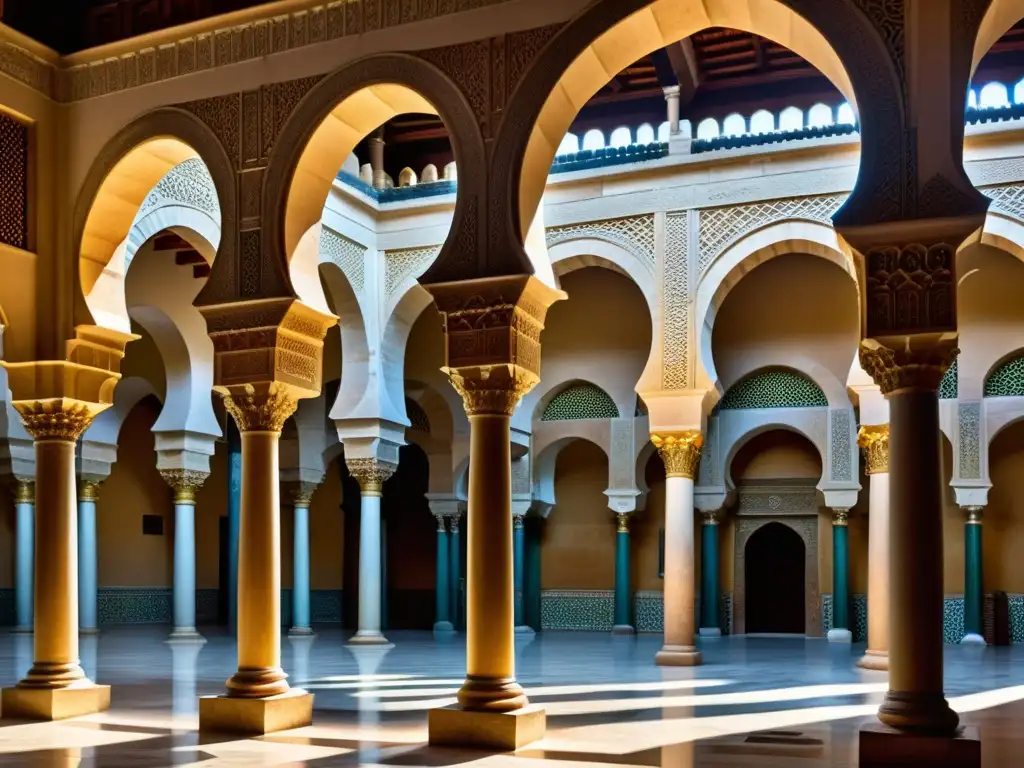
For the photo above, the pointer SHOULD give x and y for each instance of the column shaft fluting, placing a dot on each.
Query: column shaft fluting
(24, 506)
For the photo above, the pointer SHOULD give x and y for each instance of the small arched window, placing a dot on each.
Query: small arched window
(972, 99)
(570, 145)
(844, 115)
(734, 125)
(707, 128)
(593, 139)
(819, 116)
(645, 134)
(664, 132)
(1018, 92)
(791, 119)
(762, 121)
(621, 137)
(993, 96)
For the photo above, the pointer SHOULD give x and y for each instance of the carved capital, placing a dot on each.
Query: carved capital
(909, 289)
(185, 483)
(491, 389)
(261, 407)
(840, 517)
(89, 490)
(680, 451)
(917, 364)
(24, 491)
(517, 522)
(370, 474)
(711, 516)
(874, 440)
(440, 522)
(974, 514)
(622, 522)
(302, 494)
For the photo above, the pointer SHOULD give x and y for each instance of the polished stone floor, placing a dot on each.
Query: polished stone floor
(755, 702)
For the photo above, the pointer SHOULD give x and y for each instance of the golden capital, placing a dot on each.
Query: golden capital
(371, 474)
(874, 439)
(491, 389)
(58, 419)
(680, 451)
(263, 407)
(440, 522)
(185, 483)
(24, 491)
(711, 516)
(517, 522)
(974, 515)
(917, 364)
(302, 494)
(840, 517)
(89, 490)
(622, 522)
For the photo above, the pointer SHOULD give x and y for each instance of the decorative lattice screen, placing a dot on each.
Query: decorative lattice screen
(417, 415)
(774, 389)
(1007, 380)
(948, 386)
(580, 401)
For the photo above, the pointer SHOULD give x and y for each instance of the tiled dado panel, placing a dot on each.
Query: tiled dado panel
(594, 610)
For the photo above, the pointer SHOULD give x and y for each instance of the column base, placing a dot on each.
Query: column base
(88, 630)
(443, 628)
(370, 638)
(877, 660)
(300, 632)
(185, 635)
(525, 630)
(623, 629)
(678, 656)
(973, 639)
(709, 632)
(454, 726)
(840, 636)
(81, 698)
(226, 714)
(918, 712)
(884, 746)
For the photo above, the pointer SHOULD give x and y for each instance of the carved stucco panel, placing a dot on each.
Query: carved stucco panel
(634, 233)
(403, 262)
(969, 434)
(675, 352)
(348, 255)
(622, 460)
(841, 446)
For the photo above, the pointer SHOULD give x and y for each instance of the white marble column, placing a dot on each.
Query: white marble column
(370, 474)
(185, 483)
(24, 510)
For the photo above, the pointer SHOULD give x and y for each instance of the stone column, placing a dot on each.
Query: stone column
(185, 483)
(492, 357)
(56, 686)
(680, 452)
(376, 145)
(258, 697)
(672, 100)
(875, 442)
(302, 497)
(519, 573)
(910, 378)
(623, 623)
(455, 569)
(442, 590)
(974, 592)
(24, 510)
(709, 624)
(370, 474)
(840, 631)
(88, 496)
(234, 519)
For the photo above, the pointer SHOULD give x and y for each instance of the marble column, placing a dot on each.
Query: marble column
(185, 483)
(519, 574)
(672, 111)
(442, 590)
(88, 575)
(302, 497)
(24, 510)
(680, 451)
(234, 519)
(258, 697)
(376, 146)
(910, 380)
(709, 590)
(623, 618)
(974, 592)
(370, 474)
(455, 570)
(874, 440)
(56, 686)
(840, 631)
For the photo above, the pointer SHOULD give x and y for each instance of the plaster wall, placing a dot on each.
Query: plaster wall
(1003, 520)
(211, 505)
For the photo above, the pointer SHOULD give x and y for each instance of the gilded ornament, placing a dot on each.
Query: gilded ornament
(89, 490)
(974, 514)
(517, 522)
(491, 389)
(622, 522)
(371, 474)
(874, 439)
(440, 522)
(302, 494)
(711, 516)
(680, 451)
(920, 369)
(25, 492)
(185, 483)
(260, 408)
(840, 517)
(57, 419)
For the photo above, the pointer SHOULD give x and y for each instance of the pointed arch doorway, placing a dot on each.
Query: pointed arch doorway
(775, 581)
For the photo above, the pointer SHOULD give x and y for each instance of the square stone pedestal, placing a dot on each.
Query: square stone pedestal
(454, 726)
(882, 746)
(55, 703)
(223, 714)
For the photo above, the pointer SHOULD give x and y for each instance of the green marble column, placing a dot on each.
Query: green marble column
(518, 574)
(840, 631)
(442, 614)
(455, 572)
(973, 589)
(623, 593)
(531, 573)
(709, 590)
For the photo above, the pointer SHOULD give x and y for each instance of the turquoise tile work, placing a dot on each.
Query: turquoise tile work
(953, 619)
(859, 616)
(649, 611)
(134, 605)
(325, 606)
(585, 610)
(1016, 606)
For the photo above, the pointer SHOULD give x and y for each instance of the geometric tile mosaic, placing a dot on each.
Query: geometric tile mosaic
(1007, 380)
(580, 401)
(774, 389)
(593, 610)
(859, 617)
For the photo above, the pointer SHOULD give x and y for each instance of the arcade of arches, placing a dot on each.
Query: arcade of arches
(387, 347)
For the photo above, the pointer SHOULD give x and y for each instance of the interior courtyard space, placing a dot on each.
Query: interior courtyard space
(756, 701)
